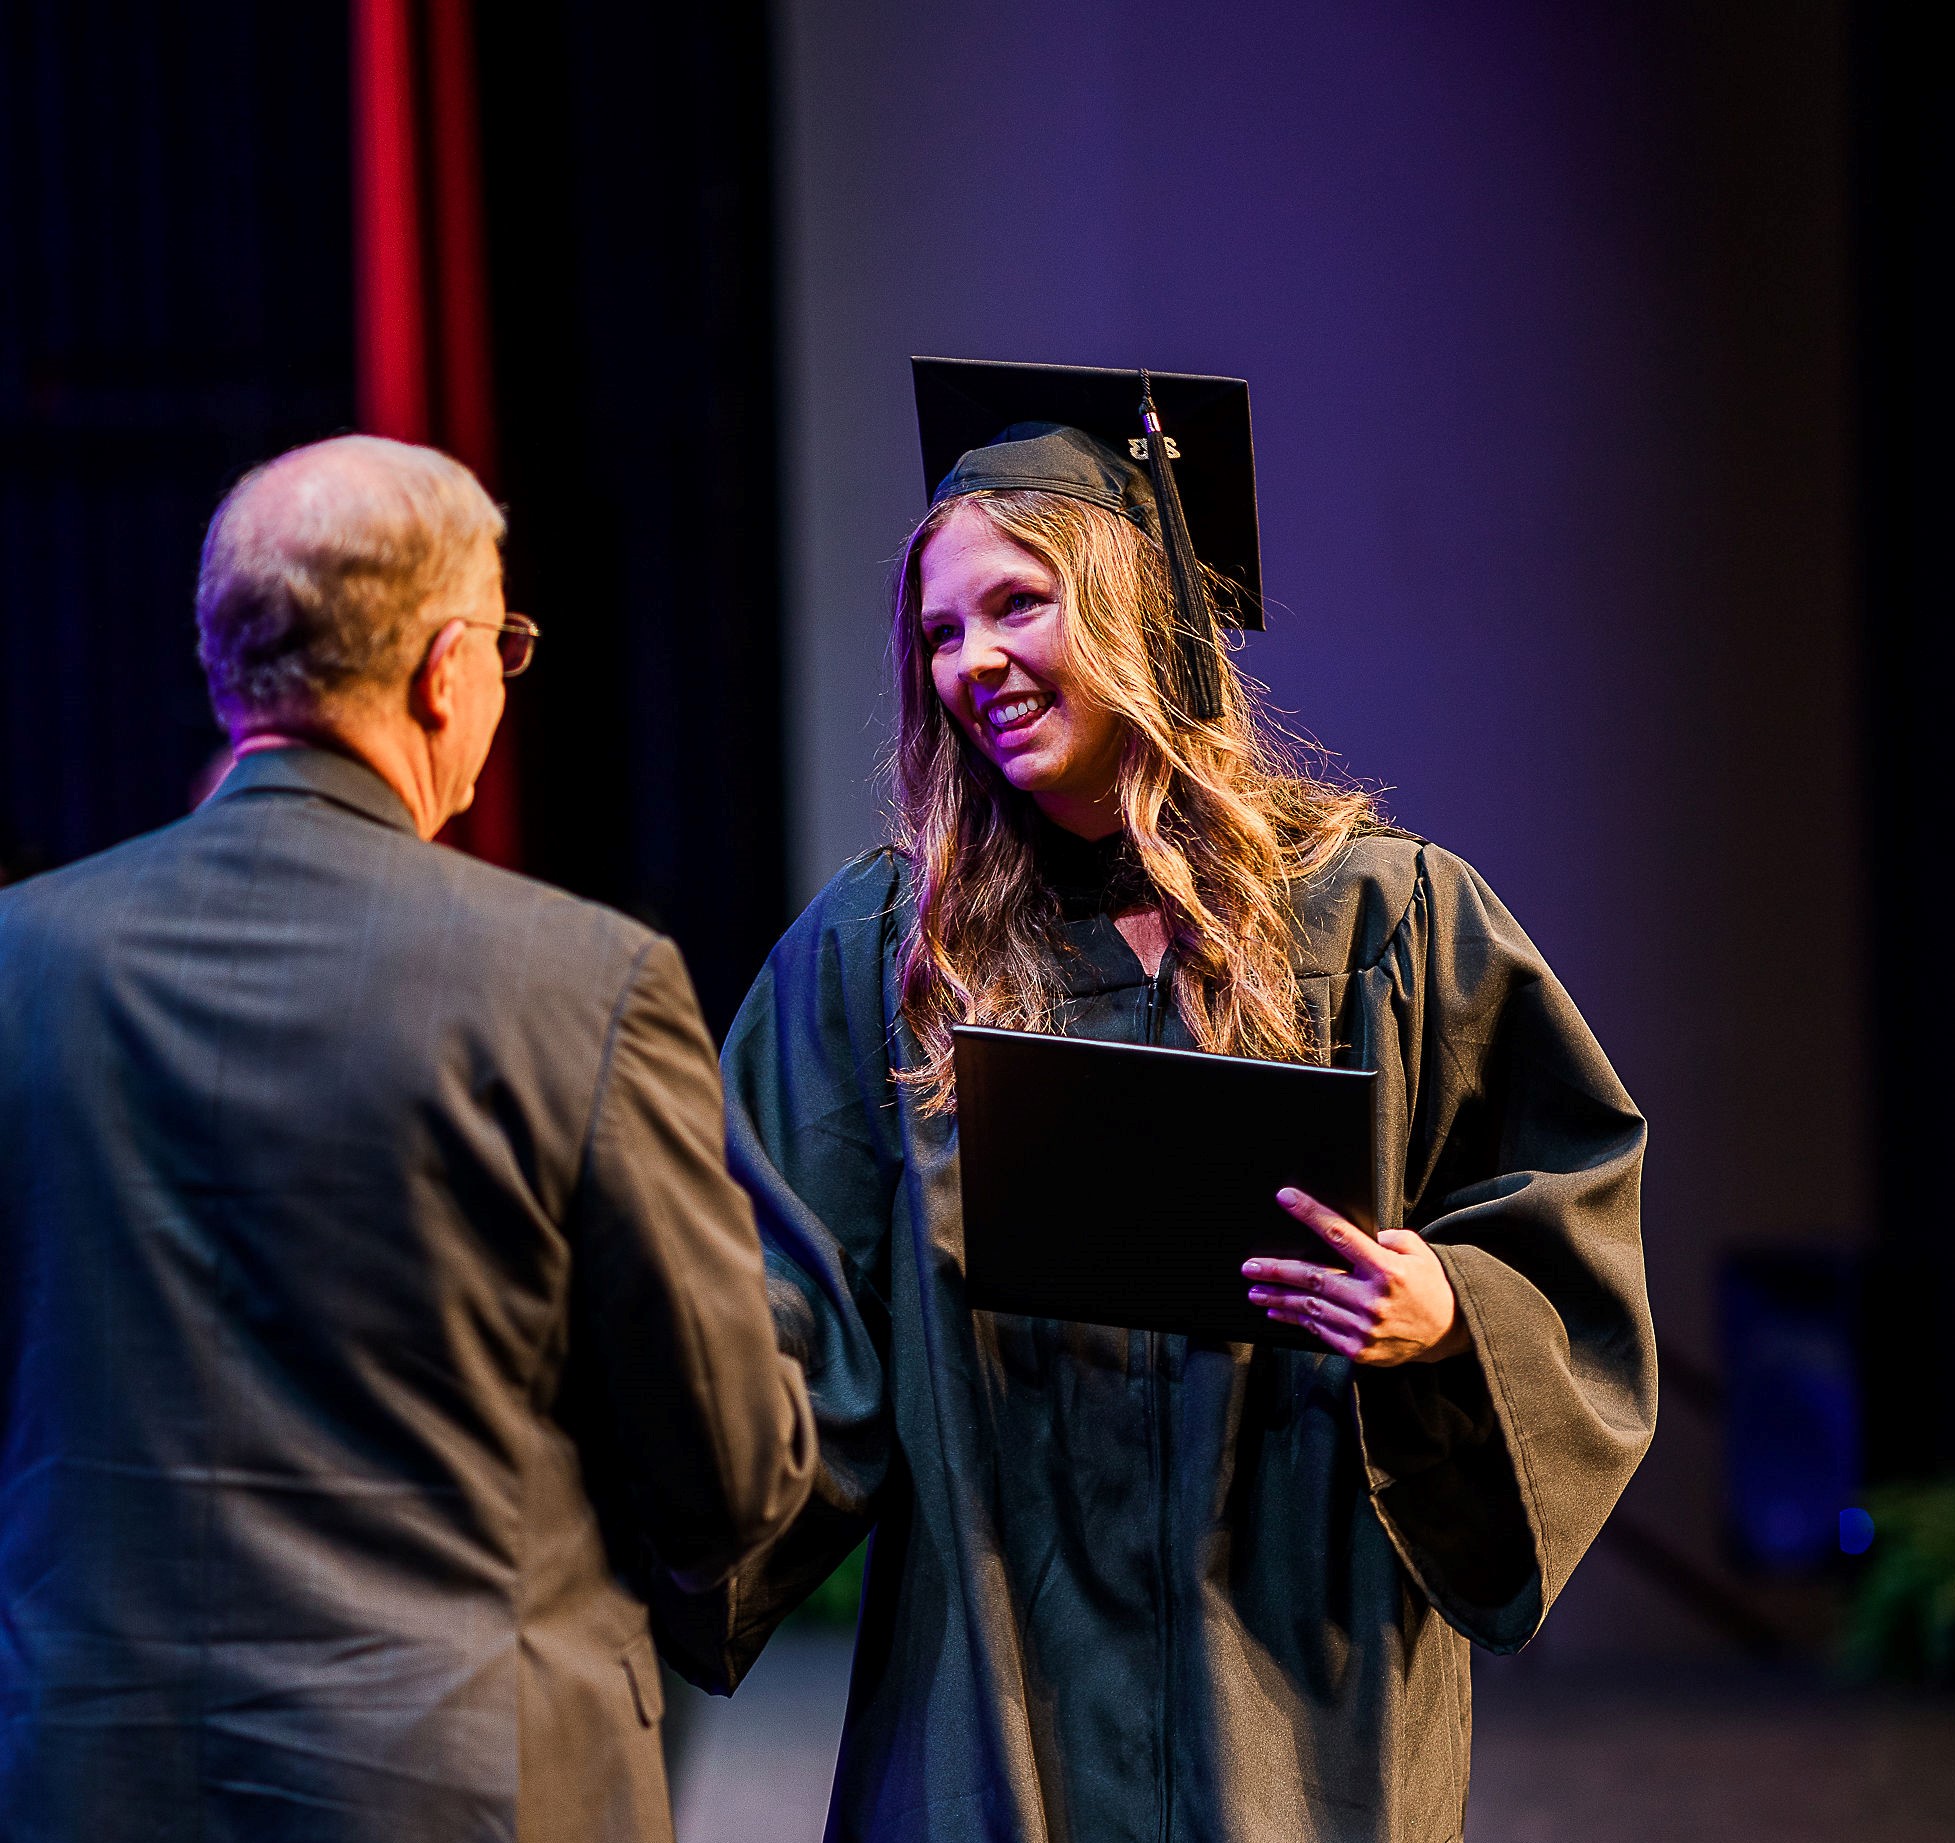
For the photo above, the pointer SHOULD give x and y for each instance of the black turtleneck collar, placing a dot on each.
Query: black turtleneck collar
(1089, 876)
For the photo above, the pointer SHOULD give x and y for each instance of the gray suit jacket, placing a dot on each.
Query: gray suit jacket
(376, 1319)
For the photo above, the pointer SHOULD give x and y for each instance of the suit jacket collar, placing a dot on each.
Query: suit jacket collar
(302, 770)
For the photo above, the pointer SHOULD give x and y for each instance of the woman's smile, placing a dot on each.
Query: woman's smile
(1013, 717)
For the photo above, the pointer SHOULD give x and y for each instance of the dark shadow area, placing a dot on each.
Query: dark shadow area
(627, 166)
(175, 273)
(1904, 225)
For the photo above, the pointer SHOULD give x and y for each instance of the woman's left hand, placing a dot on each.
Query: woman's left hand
(1394, 1306)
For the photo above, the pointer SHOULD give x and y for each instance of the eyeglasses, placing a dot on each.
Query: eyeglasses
(516, 640)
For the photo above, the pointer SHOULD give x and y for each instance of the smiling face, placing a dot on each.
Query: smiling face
(993, 618)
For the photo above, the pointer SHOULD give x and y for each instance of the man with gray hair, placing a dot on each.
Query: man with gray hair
(378, 1322)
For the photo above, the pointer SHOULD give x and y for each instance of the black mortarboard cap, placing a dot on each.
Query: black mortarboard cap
(1089, 434)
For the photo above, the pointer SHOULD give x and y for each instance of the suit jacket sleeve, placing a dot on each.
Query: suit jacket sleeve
(811, 1133)
(709, 1423)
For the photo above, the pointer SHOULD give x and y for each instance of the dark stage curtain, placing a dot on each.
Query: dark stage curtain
(627, 168)
(229, 228)
(1905, 209)
(174, 278)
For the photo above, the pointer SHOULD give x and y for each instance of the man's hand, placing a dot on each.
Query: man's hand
(1394, 1306)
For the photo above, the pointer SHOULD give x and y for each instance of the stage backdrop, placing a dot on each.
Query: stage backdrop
(175, 285)
(1543, 313)
(539, 237)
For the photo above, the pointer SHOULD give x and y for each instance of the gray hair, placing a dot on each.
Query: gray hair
(327, 569)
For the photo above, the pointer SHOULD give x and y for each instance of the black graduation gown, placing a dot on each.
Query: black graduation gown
(1126, 1587)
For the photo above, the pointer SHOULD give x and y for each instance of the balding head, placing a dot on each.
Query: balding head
(326, 572)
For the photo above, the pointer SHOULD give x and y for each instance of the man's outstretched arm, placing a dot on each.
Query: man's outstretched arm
(711, 1422)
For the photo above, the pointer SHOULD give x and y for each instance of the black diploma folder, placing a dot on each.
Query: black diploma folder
(1123, 1185)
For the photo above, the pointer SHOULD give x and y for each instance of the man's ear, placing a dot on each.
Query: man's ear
(431, 692)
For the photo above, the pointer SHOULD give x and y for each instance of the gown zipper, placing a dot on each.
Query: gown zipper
(1155, 1023)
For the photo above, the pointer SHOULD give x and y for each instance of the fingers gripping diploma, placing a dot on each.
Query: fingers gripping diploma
(1394, 1306)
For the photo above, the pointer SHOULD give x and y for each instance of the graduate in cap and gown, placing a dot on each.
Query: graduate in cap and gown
(1128, 1587)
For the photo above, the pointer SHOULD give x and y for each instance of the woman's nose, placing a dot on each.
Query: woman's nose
(984, 658)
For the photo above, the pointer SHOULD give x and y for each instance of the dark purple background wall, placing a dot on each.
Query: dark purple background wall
(1543, 313)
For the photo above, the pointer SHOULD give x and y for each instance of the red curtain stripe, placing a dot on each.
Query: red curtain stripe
(461, 264)
(420, 266)
(390, 319)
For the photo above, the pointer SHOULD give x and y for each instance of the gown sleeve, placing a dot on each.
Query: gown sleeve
(813, 1136)
(1494, 1471)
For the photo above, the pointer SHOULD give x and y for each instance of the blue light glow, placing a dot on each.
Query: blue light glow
(1856, 1532)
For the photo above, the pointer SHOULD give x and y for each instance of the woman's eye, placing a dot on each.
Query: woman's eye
(939, 636)
(1022, 601)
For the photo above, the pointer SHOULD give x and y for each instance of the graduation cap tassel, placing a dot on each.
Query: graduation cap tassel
(1198, 665)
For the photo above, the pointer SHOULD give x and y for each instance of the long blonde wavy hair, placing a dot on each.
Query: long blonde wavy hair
(1224, 815)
